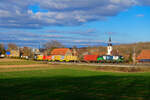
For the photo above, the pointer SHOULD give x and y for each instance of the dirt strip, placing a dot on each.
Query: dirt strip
(10, 60)
(22, 66)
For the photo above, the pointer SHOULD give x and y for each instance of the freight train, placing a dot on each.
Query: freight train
(57, 58)
(104, 59)
(86, 58)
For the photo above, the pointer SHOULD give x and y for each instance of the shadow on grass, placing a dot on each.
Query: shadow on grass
(76, 88)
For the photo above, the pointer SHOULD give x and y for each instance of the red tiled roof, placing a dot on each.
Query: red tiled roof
(59, 51)
(145, 54)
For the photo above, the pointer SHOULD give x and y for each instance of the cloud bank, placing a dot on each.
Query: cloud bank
(24, 38)
(40, 13)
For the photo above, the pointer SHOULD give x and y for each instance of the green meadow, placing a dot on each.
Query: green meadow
(72, 84)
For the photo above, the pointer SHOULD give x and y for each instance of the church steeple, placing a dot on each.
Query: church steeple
(109, 47)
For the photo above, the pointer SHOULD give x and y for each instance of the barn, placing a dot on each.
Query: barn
(144, 56)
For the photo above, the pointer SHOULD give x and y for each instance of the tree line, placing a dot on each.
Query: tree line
(47, 47)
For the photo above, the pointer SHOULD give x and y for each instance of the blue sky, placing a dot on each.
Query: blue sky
(74, 22)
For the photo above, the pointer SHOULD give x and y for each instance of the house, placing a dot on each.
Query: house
(62, 52)
(144, 56)
(14, 53)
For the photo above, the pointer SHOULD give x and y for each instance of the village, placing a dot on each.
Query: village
(61, 54)
(74, 50)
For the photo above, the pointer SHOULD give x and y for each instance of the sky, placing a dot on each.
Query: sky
(74, 22)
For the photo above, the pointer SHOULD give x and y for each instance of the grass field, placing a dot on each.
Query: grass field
(17, 62)
(71, 82)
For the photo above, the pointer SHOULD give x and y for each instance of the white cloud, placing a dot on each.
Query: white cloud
(140, 15)
(4, 13)
(16, 13)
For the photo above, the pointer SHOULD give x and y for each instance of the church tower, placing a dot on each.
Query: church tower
(109, 47)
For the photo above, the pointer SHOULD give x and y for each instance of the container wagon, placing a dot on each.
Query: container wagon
(110, 59)
(90, 58)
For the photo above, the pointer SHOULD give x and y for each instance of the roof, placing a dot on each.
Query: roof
(59, 51)
(145, 54)
(90, 57)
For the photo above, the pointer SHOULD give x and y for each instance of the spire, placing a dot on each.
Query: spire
(109, 39)
(109, 42)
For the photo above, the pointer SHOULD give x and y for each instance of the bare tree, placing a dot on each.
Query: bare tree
(52, 45)
(27, 51)
(75, 50)
(2, 49)
(12, 46)
(1, 46)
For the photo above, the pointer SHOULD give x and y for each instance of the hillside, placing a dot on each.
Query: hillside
(123, 49)
(127, 49)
